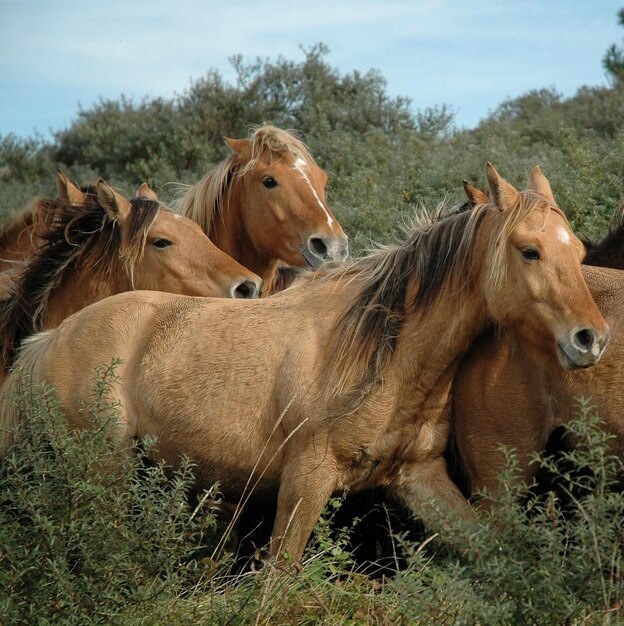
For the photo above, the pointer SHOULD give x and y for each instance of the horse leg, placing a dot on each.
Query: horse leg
(427, 490)
(306, 485)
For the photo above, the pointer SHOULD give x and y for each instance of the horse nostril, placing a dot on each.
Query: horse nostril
(317, 247)
(584, 338)
(245, 289)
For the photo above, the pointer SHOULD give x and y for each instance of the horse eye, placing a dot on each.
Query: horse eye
(162, 243)
(269, 182)
(531, 254)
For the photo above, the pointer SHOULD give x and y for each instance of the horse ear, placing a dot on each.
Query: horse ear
(503, 195)
(115, 205)
(240, 147)
(146, 193)
(475, 196)
(67, 191)
(539, 184)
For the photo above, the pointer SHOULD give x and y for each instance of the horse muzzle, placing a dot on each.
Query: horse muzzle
(582, 348)
(247, 289)
(319, 249)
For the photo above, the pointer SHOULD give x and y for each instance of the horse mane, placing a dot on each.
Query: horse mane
(204, 201)
(84, 238)
(608, 251)
(439, 253)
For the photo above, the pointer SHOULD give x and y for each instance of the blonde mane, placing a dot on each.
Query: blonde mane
(437, 257)
(204, 201)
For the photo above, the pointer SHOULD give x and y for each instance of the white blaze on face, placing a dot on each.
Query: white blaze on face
(564, 236)
(300, 166)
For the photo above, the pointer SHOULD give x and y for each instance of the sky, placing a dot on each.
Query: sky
(57, 56)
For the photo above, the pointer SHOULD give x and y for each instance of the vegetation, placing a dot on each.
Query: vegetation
(382, 158)
(91, 535)
(613, 60)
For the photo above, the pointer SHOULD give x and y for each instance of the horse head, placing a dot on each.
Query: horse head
(534, 281)
(165, 251)
(286, 210)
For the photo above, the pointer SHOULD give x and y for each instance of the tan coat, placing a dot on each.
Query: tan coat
(343, 382)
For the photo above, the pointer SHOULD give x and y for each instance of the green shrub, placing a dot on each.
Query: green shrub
(88, 531)
(533, 561)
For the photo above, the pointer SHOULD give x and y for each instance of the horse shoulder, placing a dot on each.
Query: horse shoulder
(602, 384)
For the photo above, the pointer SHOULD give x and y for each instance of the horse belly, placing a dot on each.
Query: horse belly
(233, 452)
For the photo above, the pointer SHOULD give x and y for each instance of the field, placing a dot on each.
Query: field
(85, 538)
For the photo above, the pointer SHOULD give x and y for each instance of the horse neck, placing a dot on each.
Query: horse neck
(76, 291)
(430, 347)
(229, 233)
(443, 335)
(543, 375)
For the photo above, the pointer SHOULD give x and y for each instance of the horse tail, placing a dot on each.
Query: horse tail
(23, 374)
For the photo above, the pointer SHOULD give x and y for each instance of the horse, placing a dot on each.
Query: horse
(266, 203)
(482, 425)
(609, 250)
(108, 245)
(343, 384)
(506, 394)
(17, 240)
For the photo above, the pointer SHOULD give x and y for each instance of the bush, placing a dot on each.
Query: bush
(534, 561)
(92, 534)
(88, 531)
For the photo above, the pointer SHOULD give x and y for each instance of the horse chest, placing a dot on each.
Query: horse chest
(380, 463)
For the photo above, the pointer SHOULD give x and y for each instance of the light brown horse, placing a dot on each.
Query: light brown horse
(21, 237)
(507, 393)
(266, 203)
(107, 245)
(344, 384)
(17, 237)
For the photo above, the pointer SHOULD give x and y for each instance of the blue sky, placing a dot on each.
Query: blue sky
(57, 55)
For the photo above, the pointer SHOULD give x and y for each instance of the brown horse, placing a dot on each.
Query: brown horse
(21, 237)
(266, 203)
(508, 394)
(608, 251)
(17, 238)
(344, 384)
(108, 245)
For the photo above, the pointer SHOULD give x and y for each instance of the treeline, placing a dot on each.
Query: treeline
(382, 157)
